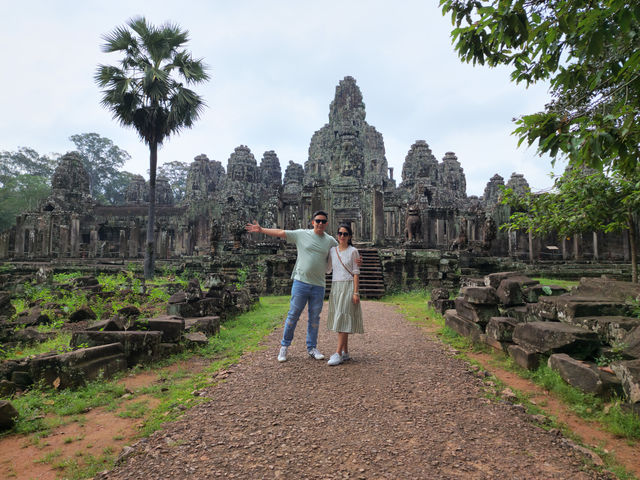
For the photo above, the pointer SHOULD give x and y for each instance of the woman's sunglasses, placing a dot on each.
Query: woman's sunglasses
(343, 234)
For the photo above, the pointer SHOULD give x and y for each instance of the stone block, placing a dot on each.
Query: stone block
(477, 313)
(139, 347)
(441, 306)
(208, 307)
(532, 293)
(6, 308)
(632, 343)
(21, 378)
(582, 375)
(178, 297)
(527, 359)
(462, 326)
(196, 338)
(629, 374)
(518, 314)
(569, 307)
(171, 327)
(480, 295)
(510, 292)
(184, 309)
(83, 313)
(32, 335)
(32, 317)
(556, 337)
(544, 309)
(492, 342)
(208, 325)
(501, 328)
(8, 415)
(7, 388)
(73, 369)
(108, 325)
(610, 329)
(168, 349)
(494, 279)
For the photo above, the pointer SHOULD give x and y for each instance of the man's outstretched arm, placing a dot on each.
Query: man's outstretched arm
(272, 232)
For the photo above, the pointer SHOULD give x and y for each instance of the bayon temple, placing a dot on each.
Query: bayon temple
(346, 173)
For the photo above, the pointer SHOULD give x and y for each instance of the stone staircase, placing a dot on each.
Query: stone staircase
(371, 278)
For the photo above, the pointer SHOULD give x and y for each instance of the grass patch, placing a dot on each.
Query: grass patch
(568, 284)
(42, 409)
(59, 344)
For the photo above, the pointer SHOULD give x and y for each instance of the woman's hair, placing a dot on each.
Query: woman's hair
(347, 227)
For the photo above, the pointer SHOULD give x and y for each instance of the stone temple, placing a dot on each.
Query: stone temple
(346, 173)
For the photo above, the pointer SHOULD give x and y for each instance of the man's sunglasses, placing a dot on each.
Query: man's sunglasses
(343, 234)
(320, 220)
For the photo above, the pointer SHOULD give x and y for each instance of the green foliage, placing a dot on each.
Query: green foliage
(176, 172)
(25, 180)
(589, 51)
(102, 160)
(60, 343)
(568, 284)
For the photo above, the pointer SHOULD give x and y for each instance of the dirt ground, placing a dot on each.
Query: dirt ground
(403, 408)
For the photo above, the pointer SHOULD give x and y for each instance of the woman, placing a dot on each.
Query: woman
(345, 312)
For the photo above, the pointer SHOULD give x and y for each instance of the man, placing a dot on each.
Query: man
(313, 247)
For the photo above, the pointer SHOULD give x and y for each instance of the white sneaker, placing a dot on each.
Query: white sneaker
(315, 353)
(282, 356)
(335, 359)
(345, 356)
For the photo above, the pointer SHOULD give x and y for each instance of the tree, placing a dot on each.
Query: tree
(589, 51)
(582, 201)
(25, 180)
(176, 172)
(147, 92)
(102, 161)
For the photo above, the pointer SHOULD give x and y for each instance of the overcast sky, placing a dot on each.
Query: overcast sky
(274, 67)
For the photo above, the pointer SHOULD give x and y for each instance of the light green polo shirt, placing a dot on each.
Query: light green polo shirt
(313, 251)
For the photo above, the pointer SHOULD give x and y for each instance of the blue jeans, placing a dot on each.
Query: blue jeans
(301, 294)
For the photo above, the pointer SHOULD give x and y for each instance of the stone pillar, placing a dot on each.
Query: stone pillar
(134, 241)
(122, 244)
(93, 243)
(64, 241)
(577, 254)
(565, 254)
(531, 257)
(75, 235)
(46, 235)
(4, 245)
(596, 254)
(378, 218)
(440, 236)
(19, 239)
(31, 243)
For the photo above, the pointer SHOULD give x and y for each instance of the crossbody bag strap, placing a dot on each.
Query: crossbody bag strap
(345, 267)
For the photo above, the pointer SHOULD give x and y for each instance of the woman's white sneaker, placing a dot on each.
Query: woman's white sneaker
(335, 359)
(282, 356)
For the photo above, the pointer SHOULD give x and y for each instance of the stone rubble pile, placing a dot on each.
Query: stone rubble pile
(103, 348)
(590, 335)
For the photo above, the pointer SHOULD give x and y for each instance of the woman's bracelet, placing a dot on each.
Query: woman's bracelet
(356, 293)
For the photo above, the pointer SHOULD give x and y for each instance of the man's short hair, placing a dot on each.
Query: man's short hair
(319, 212)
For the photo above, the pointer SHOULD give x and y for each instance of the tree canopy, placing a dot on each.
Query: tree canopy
(176, 172)
(589, 52)
(103, 159)
(148, 91)
(25, 179)
(582, 200)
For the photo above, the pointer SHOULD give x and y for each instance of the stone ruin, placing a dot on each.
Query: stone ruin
(589, 335)
(346, 173)
(100, 349)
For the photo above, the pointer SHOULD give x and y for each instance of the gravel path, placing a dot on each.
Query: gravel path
(404, 408)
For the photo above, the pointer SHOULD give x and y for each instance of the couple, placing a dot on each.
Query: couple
(318, 253)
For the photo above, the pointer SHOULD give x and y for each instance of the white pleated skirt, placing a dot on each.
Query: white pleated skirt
(344, 316)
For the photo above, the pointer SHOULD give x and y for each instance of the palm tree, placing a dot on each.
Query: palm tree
(147, 91)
